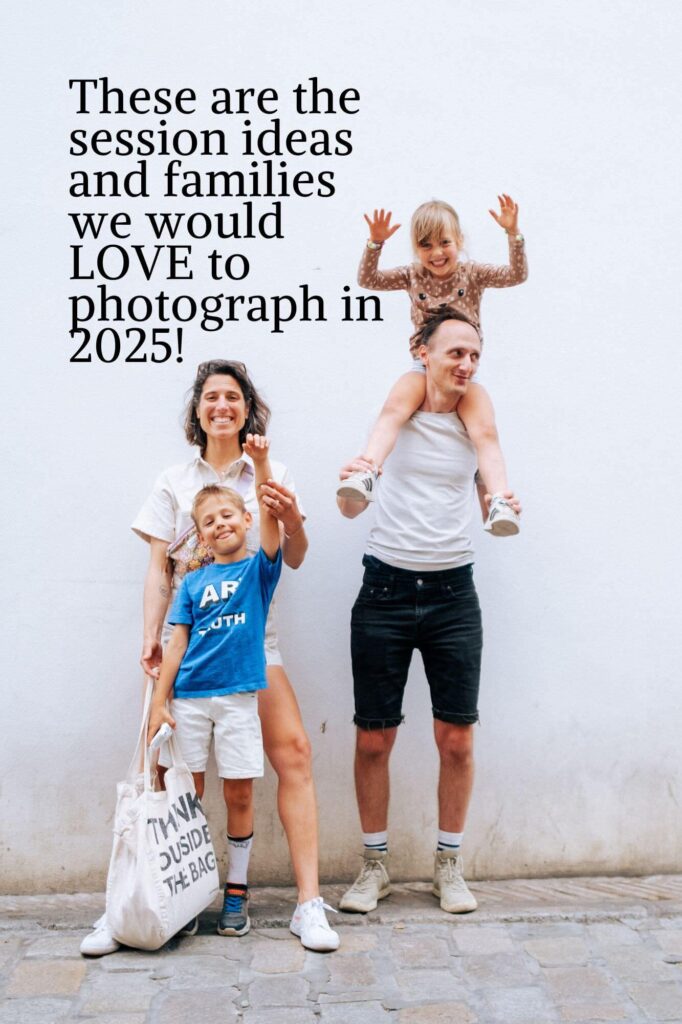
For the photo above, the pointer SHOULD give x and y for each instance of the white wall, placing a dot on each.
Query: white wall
(570, 108)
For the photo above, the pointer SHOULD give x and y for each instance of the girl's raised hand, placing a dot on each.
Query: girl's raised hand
(380, 226)
(508, 217)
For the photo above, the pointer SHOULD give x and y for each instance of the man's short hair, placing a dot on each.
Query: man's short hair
(433, 320)
(216, 491)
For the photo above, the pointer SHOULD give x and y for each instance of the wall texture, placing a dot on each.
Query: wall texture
(569, 110)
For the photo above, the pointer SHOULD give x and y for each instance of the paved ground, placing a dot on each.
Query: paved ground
(587, 951)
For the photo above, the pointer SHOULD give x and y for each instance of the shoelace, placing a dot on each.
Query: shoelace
(448, 869)
(369, 868)
(233, 903)
(450, 873)
(316, 908)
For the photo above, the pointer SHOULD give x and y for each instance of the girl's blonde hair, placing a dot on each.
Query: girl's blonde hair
(433, 220)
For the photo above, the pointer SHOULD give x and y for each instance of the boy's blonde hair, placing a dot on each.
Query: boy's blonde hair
(216, 491)
(432, 220)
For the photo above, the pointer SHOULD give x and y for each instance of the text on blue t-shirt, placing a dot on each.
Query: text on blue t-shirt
(226, 608)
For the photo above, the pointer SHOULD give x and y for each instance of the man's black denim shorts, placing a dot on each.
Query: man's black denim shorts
(398, 611)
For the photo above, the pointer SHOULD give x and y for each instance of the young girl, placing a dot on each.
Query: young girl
(439, 280)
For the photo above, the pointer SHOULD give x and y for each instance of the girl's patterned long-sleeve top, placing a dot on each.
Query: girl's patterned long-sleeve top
(462, 289)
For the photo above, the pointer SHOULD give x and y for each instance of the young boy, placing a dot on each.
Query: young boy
(215, 664)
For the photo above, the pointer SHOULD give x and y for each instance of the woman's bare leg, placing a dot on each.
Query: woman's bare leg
(288, 750)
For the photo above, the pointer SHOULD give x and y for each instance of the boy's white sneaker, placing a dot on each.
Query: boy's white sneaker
(311, 926)
(449, 885)
(502, 520)
(99, 942)
(371, 885)
(359, 486)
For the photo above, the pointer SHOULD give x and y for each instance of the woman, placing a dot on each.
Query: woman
(223, 407)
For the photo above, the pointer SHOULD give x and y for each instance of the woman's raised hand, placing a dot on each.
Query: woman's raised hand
(380, 225)
(281, 503)
(508, 217)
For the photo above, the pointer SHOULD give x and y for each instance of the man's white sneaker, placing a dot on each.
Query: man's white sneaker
(311, 926)
(359, 486)
(502, 520)
(371, 885)
(448, 883)
(100, 942)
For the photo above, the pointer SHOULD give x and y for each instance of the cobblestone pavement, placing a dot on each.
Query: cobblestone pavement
(580, 950)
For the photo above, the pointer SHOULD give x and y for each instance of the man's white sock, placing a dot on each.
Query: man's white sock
(449, 840)
(375, 841)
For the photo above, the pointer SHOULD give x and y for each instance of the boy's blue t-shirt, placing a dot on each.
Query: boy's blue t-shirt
(226, 607)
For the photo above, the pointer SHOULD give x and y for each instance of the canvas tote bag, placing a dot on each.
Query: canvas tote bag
(163, 869)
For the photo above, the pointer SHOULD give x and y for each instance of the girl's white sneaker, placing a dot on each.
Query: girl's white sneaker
(502, 520)
(359, 486)
(311, 926)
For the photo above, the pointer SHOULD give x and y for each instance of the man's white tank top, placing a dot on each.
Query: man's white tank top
(424, 499)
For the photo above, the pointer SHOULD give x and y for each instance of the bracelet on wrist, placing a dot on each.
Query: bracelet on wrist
(294, 532)
(371, 244)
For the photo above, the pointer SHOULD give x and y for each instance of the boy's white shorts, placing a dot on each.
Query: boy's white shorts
(233, 720)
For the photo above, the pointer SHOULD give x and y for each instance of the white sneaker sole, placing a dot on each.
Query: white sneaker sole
(234, 932)
(190, 931)
(356, 907)
(456, 908)
(324, 946)
(102, 951)
(354, 493)
(502, 528)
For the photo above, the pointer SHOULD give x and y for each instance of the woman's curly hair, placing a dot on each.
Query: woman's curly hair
(257, 412)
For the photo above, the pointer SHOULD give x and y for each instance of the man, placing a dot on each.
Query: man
(418, 593)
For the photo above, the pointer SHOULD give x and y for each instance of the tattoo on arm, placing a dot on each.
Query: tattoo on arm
(163, 590)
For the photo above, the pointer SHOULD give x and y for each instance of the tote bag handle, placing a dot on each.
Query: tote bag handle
(135, 764)
(141, 758)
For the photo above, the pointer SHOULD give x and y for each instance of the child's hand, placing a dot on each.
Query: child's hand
(380, 226)
(257, 447)
(157, 716)
(508, 217)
